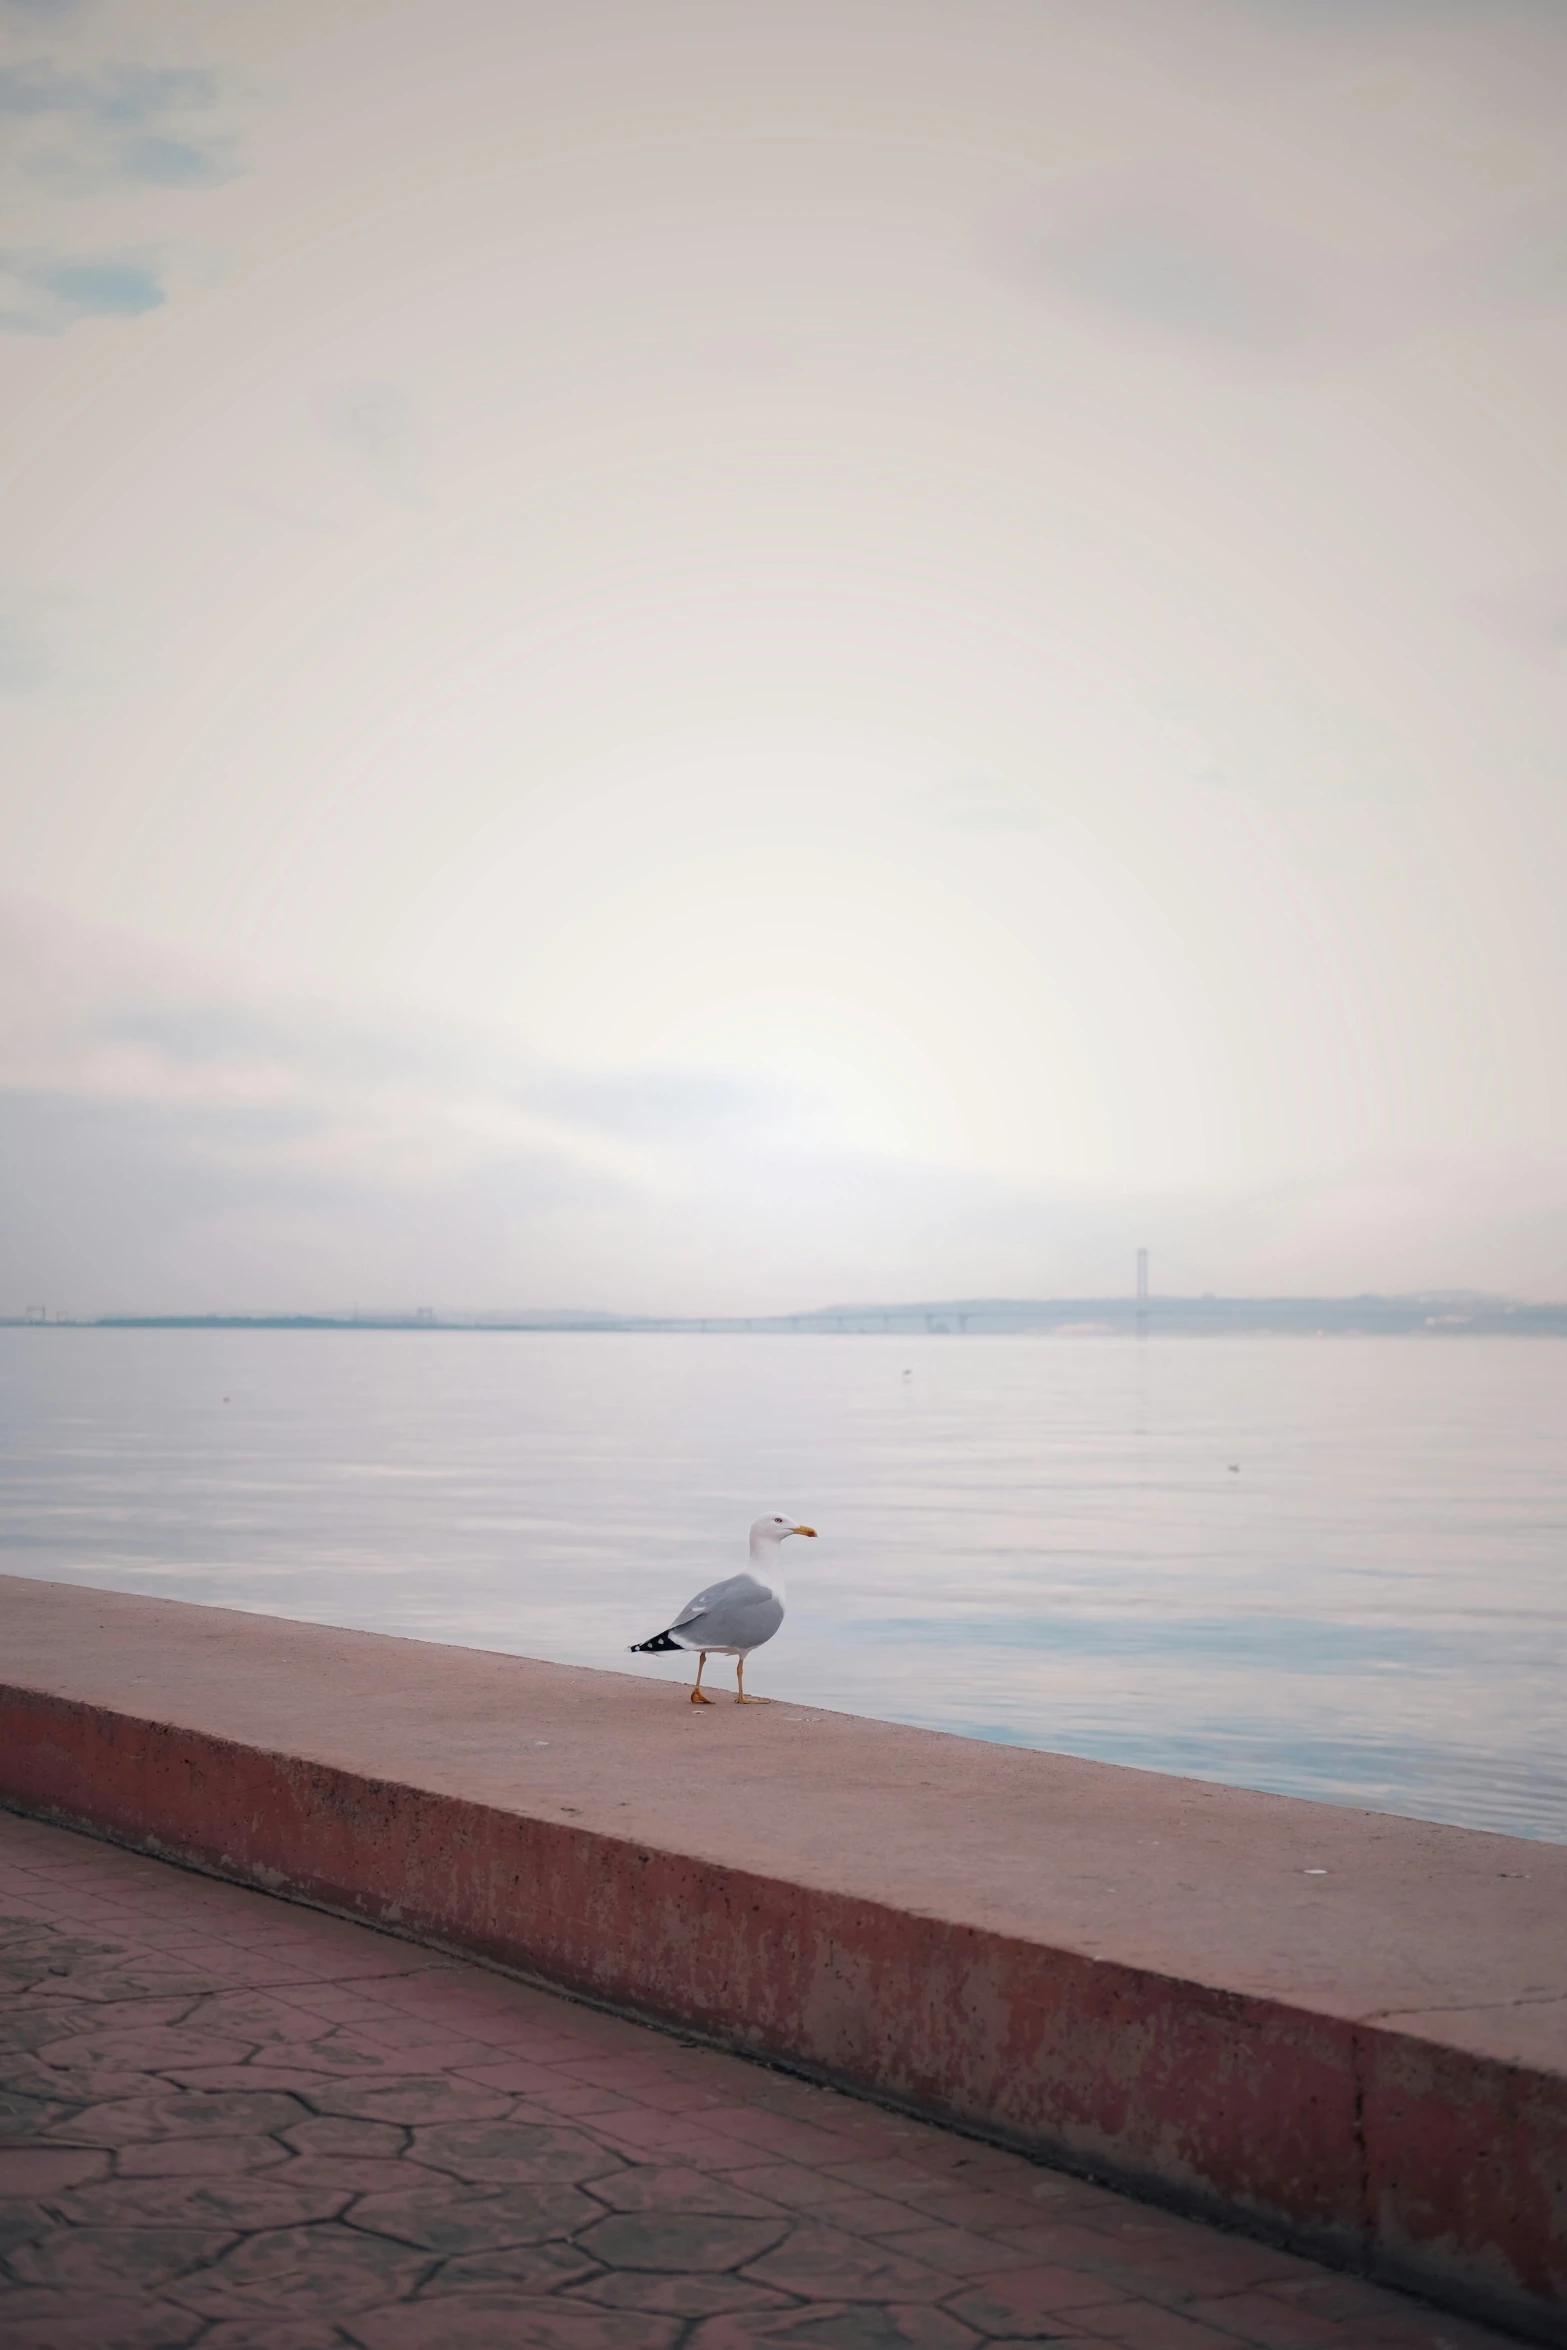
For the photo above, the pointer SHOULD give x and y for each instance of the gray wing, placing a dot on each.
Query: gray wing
(734, 1591)
(740, 1612)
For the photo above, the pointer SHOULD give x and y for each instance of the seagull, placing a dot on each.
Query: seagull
(735, 1616)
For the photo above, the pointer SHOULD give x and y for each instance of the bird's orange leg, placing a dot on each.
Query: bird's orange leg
(740, 1695)
(696, 1695)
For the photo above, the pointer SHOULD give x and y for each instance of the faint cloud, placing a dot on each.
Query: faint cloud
(328, 468)
(162, 162)
(117, 94)
(48, 297)
(1159, 269)
(120, 123)
(75, 132)
(653, 1105)
(376, 422)
(160, 1125)
(98, 289)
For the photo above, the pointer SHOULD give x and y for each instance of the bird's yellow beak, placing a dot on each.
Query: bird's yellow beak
(811, 1530)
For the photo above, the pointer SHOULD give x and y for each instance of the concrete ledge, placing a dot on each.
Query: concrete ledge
(1147, 1978)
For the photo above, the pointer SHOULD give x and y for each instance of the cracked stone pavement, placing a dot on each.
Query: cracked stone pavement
(229, 2121)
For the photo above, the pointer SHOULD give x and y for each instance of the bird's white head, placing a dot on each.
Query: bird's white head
(767, 1533)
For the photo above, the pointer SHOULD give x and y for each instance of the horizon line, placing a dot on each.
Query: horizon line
(1440, 1310)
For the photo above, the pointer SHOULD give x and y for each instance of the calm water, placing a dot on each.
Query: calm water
(1038, 1540)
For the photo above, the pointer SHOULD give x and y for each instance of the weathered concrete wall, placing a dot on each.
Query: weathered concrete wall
(1372, 2062)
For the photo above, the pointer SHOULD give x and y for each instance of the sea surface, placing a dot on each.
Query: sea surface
(1334, 1568)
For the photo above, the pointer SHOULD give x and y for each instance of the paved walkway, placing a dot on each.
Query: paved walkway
(231, 2122)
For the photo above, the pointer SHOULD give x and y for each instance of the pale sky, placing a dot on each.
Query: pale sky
(713, 656)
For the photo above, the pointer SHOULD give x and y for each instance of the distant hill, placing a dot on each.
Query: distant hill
(1446, 1313)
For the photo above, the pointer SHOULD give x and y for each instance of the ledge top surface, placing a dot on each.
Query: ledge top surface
(1452, 1934)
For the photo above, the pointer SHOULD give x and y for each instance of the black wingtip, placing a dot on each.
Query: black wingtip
(660, 1640)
